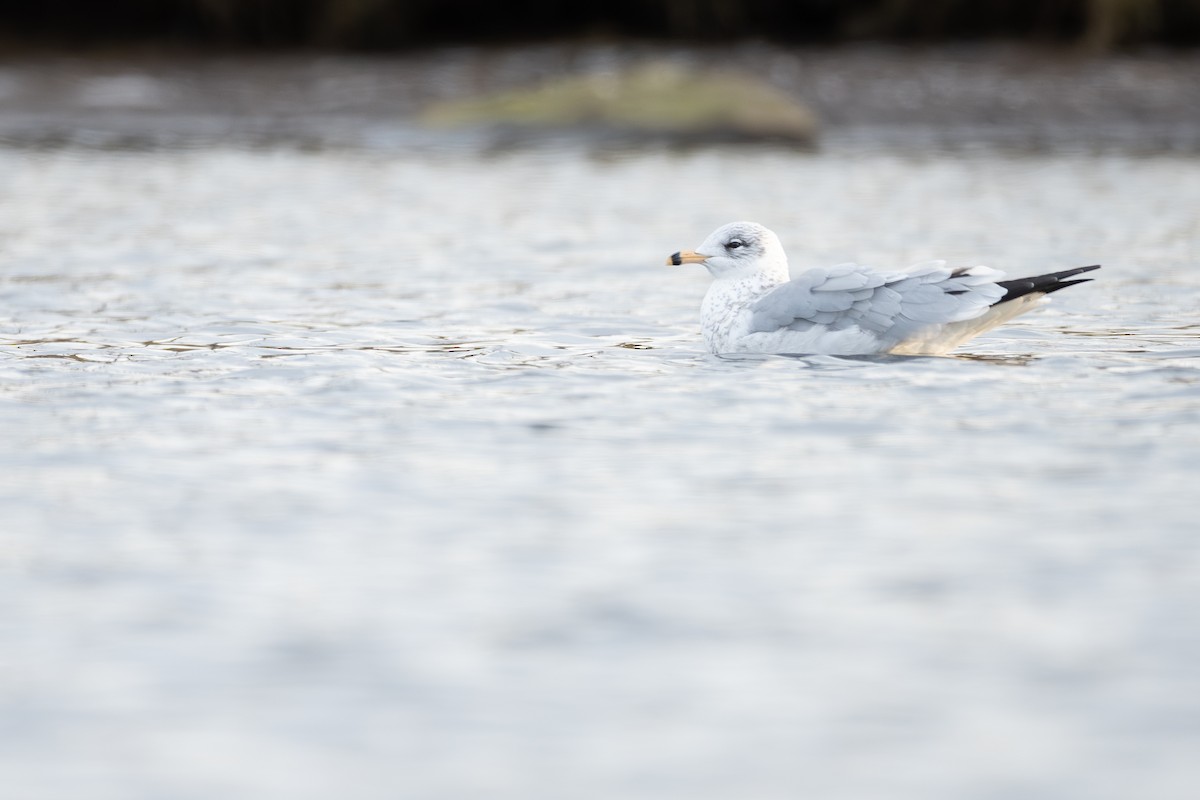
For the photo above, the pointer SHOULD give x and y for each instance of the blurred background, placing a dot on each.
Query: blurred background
(389, 24)
(356, 441)
(369, 73)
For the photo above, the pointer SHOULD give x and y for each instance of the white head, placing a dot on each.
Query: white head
(738, 250)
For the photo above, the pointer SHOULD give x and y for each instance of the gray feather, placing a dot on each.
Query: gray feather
(891, 305)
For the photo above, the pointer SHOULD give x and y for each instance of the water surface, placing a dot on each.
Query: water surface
(339, 473)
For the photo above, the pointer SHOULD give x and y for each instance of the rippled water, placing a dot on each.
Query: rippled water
(335, 474)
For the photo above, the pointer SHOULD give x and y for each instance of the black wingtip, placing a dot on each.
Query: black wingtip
(1051, 282)
(1065, 284)
(1067, 273)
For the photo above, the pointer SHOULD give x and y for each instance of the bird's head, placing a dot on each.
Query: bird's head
(739, 249)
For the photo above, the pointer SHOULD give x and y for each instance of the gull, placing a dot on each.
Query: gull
(754, 306)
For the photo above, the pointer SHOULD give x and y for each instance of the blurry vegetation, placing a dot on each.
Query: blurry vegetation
(651, 101)
(386, 24)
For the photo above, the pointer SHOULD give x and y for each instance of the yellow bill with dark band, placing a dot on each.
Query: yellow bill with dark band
(686, 257)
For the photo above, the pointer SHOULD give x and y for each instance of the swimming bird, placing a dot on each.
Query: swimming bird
(754, 306)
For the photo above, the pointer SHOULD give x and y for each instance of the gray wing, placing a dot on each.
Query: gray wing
(891, 305)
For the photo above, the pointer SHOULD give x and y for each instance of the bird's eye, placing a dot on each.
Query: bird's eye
(734, 244)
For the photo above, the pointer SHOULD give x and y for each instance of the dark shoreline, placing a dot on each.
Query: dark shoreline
(396, 25)
(1001, 95)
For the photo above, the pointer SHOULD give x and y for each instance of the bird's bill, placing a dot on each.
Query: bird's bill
(686, 257)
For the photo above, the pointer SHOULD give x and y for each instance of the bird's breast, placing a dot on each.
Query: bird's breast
(725, 312)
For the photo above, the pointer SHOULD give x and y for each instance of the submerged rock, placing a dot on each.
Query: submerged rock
(655, 102)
